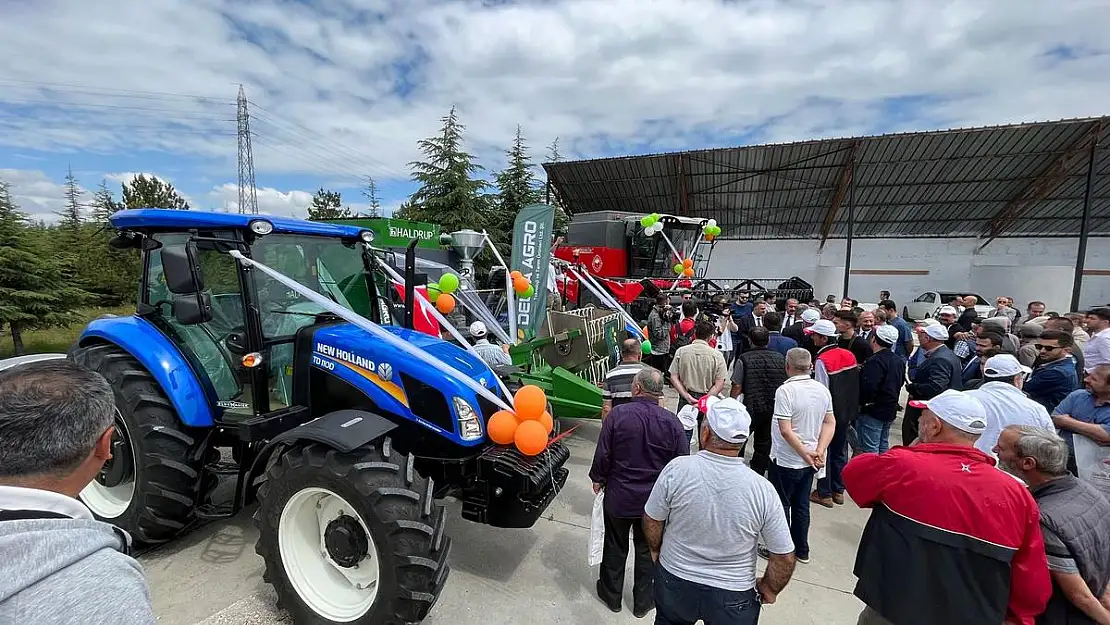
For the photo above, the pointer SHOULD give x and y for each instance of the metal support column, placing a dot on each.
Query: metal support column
(547, 195)
(851, 226)
(1085, 226)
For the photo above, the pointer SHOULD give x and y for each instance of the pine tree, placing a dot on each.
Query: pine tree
(34, 292)
(327, 205)
(150, 192)
(516, 186)
(449, 195)
(370, 192)
(104, 204)
(553, 155)
(70, 223)
(562, 220)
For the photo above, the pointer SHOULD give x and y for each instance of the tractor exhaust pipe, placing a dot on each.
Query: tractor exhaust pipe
(411, 278)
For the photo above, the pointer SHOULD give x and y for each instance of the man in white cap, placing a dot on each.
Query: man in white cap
(796, 330)
(838, 370)
(881, 380)
(491, 354)
(939, 370)
(1004, 401)
(941, 511)
(716, 512)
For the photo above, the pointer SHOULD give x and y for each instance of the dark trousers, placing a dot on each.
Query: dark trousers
(679, 602)
(834, 464)
(614, 556)
(761, 439)
(909, 424)
(793, 486)
(661, 362)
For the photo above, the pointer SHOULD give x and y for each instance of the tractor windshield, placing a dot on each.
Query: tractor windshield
(325, 265)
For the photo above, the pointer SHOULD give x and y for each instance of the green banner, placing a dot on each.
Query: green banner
(396, 232)
(532, 257)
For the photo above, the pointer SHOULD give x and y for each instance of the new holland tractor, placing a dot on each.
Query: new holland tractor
(346, 439)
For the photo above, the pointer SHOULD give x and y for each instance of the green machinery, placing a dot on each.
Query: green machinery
(569, 359)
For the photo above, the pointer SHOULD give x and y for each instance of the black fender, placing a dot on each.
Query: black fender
(343, 430)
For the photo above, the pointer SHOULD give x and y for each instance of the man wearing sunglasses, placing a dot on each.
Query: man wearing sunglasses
(1054, 376)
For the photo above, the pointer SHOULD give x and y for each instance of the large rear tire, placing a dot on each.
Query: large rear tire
(152, 485)
(351, 537)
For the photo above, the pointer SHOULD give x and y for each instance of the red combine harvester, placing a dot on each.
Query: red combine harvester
(612, 246)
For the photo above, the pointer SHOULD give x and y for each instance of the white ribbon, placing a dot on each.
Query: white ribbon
(510, 295)
(374, 329)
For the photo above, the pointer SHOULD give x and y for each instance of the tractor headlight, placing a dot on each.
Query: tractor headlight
(367, 236)
(470, 426)
(261, 227)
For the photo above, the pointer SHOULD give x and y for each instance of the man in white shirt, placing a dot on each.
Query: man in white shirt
(806, 424)
(1004, 401)
(716, 510)
(1097, 350)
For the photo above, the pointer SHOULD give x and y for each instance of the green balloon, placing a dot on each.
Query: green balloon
(529, 292)
(448, 282)
(645, 347)
(433, 291)
(716, 231)
(679, 268)
(645, 221)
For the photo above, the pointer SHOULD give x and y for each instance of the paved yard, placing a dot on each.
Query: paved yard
(531, 577)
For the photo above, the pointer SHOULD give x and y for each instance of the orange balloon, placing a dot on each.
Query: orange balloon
(687, 262)
(688, 272)
(502, 427)
(445, 303)
(547, 421)
(520, 284)
(515, 274)
(709, 238)
(531, 438)
(529, 401)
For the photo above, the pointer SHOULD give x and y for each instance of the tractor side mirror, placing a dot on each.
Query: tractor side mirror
(191, 309)
(182, 269)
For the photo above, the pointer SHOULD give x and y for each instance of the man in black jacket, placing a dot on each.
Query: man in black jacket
(941, 370)
(757, 374)
(881, 382)
(847, 324)
(797, 330)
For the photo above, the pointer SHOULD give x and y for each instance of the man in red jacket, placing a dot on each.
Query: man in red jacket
(951, 539)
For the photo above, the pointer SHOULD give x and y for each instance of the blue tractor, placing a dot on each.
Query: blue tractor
(347, 443)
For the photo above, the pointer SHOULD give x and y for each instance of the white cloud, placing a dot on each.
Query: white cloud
(601, 74)
(270, 201)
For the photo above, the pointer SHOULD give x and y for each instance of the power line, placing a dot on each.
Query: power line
(315, 136)
(317, 164)
(114, 92)
(318, 151)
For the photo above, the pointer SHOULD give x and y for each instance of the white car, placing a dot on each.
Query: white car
(926, 305)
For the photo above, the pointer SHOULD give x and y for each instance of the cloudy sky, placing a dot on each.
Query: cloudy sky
(344, 89)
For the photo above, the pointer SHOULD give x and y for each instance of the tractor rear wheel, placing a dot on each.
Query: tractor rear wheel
(351, 537)
(151, 486)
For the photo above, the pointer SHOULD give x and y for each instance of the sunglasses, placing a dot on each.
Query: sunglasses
(1045, 348)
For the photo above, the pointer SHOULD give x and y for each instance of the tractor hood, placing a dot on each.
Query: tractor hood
(346, 341)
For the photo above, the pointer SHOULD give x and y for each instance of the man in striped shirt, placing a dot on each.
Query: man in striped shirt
(491, 354)
(616, 389)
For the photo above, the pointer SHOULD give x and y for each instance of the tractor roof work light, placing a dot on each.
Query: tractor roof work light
(366, 236)
(261, 227)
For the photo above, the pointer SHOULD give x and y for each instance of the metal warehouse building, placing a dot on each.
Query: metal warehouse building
(1021, 210)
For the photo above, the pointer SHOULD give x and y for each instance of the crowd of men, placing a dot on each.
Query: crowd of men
(817, 388)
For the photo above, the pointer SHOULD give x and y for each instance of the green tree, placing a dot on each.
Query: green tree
(562, 220)
(327, 205)
(449, 194)
(104, 204)
(370, 192)
(150, 192)
(70, 223)
(34, 291)
(516, 188)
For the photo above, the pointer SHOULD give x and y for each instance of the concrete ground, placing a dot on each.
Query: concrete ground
(537, 576)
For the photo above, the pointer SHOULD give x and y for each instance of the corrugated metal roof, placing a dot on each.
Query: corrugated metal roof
(1018, 180)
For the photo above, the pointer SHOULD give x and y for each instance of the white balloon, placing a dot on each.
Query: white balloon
(711, 223)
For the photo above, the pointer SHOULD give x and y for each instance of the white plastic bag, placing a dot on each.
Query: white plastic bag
(597, 529)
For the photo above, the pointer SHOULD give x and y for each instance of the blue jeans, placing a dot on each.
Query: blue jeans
(679, 602)
(793, 486)
(874, 435)
(837, 458)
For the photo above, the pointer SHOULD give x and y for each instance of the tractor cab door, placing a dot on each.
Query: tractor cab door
(206, 344)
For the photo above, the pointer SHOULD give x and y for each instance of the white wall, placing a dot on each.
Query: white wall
(1024, 269)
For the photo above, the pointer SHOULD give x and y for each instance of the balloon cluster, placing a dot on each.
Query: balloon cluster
(651, 224)
(439, 293)
(528, 427)
(522, 286)
(711, 230)
(685, 268)
(645, 346)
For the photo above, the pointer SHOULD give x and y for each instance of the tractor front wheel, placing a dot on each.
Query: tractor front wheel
(351, 537)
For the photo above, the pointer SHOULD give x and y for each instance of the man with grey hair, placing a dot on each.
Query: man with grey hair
(637, 440)
(56, 422)
(1075, 522)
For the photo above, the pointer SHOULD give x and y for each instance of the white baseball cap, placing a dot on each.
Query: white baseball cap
(948, 310)
(478, 329)
(888, 335)
(958, 409)
(810, 315)
(928, 322)
(1003, 366)
(935, 331)
(824, 327)
(728, 419)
